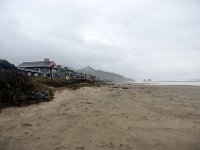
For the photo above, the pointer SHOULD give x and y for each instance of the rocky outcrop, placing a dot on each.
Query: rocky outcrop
(5, 65)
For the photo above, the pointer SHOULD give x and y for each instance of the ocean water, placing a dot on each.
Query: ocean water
(175, 83)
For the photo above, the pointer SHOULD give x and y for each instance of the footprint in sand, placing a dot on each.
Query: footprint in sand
(26, 124)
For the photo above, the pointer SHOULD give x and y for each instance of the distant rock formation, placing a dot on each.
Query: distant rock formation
(5, 65)
(108, 76)
(147, 80)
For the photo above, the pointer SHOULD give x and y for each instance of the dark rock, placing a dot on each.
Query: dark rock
(5, 65)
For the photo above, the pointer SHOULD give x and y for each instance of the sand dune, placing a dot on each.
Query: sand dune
(129, 117)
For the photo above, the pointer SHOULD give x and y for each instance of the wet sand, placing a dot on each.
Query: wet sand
(129, 117)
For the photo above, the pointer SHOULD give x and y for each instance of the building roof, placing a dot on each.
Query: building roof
(37, 64)
(29, 70)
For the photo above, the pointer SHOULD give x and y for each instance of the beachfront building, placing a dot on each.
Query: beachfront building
(68, 73)
(44, 68)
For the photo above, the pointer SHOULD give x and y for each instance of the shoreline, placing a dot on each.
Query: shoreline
(167, 83)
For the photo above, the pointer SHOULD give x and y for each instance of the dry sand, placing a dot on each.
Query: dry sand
(132, 117)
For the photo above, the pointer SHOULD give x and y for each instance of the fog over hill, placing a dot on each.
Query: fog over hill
(103, 74)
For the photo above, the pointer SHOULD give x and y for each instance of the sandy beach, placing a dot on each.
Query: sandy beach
(125, 117)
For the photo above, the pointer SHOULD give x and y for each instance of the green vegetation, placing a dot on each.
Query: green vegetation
(72, 84)
(18, 89)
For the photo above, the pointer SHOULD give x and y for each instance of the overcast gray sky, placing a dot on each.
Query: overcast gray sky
(158, 39)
